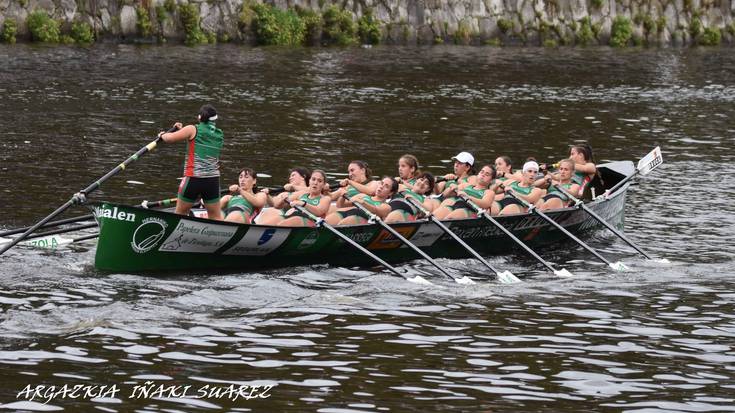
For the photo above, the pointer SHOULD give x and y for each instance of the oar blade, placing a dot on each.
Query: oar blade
(618, 266)
(418, 280)
(464, 280)
(662, 261)
(507, 277)
(563, 273)
(650, 162)
(48, 242)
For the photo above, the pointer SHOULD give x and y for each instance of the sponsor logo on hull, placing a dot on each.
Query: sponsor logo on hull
(113, 213)
(193, 236)
(148, 234)
(259, 241)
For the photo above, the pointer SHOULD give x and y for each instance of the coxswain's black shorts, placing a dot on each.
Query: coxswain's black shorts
(192, 188)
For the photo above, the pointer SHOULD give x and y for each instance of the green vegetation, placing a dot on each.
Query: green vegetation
(597, 3)
(10, 29)
(495, 42)
(43, 28)
(660, 24)
(731, 29)
(143, 21)
(211, 37)
(276, 27)
(246, 16)
(23, 3)
(368, 28)
(550, 43)
(438, 40)
(82, 33)
(710, 37)
(190, 17)
(695, 26)
(649, 25)
(313, 23)
(505, 25)
(338, 26)
(585, 35)
(463, 34)
(161, 15)
(621, 32)
(170, 6)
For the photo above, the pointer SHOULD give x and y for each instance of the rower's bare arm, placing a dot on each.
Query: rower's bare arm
(257, 200)
(487, 200)
(588, 168)
(188, 132)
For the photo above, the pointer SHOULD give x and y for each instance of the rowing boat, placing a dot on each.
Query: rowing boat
(135, 239)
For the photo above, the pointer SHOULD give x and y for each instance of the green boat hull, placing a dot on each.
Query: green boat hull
(134, 239)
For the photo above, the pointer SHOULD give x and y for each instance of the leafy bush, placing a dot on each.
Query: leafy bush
(161, 15)
(170, 6)
(273, 26)
(661, 24)
(621, 32)
(143, 21)
(505, 25)
(463, 34)
(649, 25)
(695, 26)
(368, 28)
(193, 34)
(339, 27)
(585, 35)
(43, 28)
(313, 24)
(9, 31)
(710, 37)
(82, 33)
(597, 3)
(495, 42)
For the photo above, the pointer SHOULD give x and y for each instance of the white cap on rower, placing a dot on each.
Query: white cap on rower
(465, 157)
(530, 165)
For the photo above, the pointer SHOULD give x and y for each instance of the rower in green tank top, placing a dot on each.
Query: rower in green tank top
(402, 210)
(376, 204)
(358, 182)
(482, 194)
(554, 198)
(408, 171)
(244, 204)
(524, 189)
(312, 200)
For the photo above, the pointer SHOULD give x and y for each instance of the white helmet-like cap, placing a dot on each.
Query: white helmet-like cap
(465, 157)
(530, 165)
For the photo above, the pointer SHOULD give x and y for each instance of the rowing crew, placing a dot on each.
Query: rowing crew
(412, 194)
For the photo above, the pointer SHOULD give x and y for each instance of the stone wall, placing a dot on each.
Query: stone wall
(507, 22)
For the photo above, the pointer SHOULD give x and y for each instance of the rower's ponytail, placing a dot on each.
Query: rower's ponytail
(364, 165)
(207, 113)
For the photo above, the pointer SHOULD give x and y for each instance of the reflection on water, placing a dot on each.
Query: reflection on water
(656, 338)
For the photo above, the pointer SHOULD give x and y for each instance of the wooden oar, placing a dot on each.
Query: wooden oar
(482, 213)
(505, 277)
(81, 196)
(49, 224)
(321, 223)
(645, 165)
(593, 214)
(374, 218)
(619, 266)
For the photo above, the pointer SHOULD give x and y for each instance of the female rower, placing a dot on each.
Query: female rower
(554, 198)
(482, 194)
(358, 182)
(376, 204)
(312, 199)
(524, 189)
(408, 171)
(201, 168)
(246, 204)
(402, 210)
(504, 168)
(297, 181)
(584, 166)
(464, 175)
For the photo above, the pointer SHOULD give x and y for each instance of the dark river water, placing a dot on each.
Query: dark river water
(659, 337)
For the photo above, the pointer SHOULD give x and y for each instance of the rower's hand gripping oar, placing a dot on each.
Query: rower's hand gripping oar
(579, 203)
(619, 266)
(505, 277)
(321, 223)
(482, 213)
(374, 218)
(81, 196)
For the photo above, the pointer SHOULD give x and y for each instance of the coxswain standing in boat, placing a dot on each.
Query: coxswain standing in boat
(376, 204)
(524, 189)
(298, 179)
(244, 204)
(402, 210)
(554, 198)
(204, 143)
(313, 200)
(482, 194)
